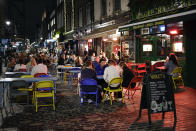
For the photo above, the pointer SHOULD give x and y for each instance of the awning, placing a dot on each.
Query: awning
(161, 20)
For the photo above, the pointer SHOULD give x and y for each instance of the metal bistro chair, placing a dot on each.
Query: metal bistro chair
(137, 81)
(29, 88)
(17, 89)
(44, 89)
(93, 90)
(177, 77)
(141, 70)
(109, 91)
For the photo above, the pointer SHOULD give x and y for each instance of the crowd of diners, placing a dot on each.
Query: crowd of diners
(92, 66)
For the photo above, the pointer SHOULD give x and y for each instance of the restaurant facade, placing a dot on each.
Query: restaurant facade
(161, 29)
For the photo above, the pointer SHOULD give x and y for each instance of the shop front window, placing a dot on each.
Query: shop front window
(147, 46)
(177, 45)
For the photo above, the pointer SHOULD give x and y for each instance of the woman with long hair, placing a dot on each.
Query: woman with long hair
(171, 63)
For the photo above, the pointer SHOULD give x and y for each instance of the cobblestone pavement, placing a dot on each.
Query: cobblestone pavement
(118, 117)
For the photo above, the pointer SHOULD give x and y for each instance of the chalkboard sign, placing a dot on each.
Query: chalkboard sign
(157, 94)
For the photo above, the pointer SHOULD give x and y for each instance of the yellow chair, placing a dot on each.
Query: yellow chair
(109, 91)
(66, 74)
(44, 89)
(177, 76)
(26, 76)
(28, 89)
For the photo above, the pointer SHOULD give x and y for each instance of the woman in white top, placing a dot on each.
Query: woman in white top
(20, 66)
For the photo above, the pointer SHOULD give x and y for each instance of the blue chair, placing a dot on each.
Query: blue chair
(92, 84)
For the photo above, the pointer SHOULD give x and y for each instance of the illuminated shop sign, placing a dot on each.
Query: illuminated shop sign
(148, 25)
(164, 10)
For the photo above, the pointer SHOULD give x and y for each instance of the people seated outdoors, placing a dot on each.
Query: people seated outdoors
(40, 68)
(93, 56)
(115, 58)
(89, 73)
(79, 61)
(111, 72)
(102, 55)
(127, 75)
(96, 62)
(20, 66)
(100, 67)
(11, 64)
(171, 63)
(61, 60)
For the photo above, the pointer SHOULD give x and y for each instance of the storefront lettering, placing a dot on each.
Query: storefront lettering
(157, 76)
(148, 25)
(159, 23)
(168, 9)
(138, 26)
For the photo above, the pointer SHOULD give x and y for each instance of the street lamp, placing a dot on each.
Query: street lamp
(7, 22)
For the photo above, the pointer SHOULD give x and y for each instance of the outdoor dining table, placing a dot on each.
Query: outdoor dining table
(73, 74)
(8, 74)
(161, 68)
(64, 69)
(4, 82)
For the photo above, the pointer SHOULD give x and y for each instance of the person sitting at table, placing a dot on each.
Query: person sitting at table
(61, 60)
(89, 73)
(11, 64)
(171, 63)
(20, 66)
(100, 67)
(79, 61)
(96, 62)
(40, 68)
(110, 73)
(127, 75)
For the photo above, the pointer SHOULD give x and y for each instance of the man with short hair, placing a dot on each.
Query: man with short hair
(111, 72)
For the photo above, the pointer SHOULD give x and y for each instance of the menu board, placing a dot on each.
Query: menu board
(160, 91)
(157, 94)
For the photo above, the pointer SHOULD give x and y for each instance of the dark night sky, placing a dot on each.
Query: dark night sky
(33, 10)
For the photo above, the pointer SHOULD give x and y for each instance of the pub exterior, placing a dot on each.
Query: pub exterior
(158, 28)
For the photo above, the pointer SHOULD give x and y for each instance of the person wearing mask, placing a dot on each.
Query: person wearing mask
(171, 63)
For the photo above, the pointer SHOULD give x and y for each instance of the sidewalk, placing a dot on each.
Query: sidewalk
(118, 117)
